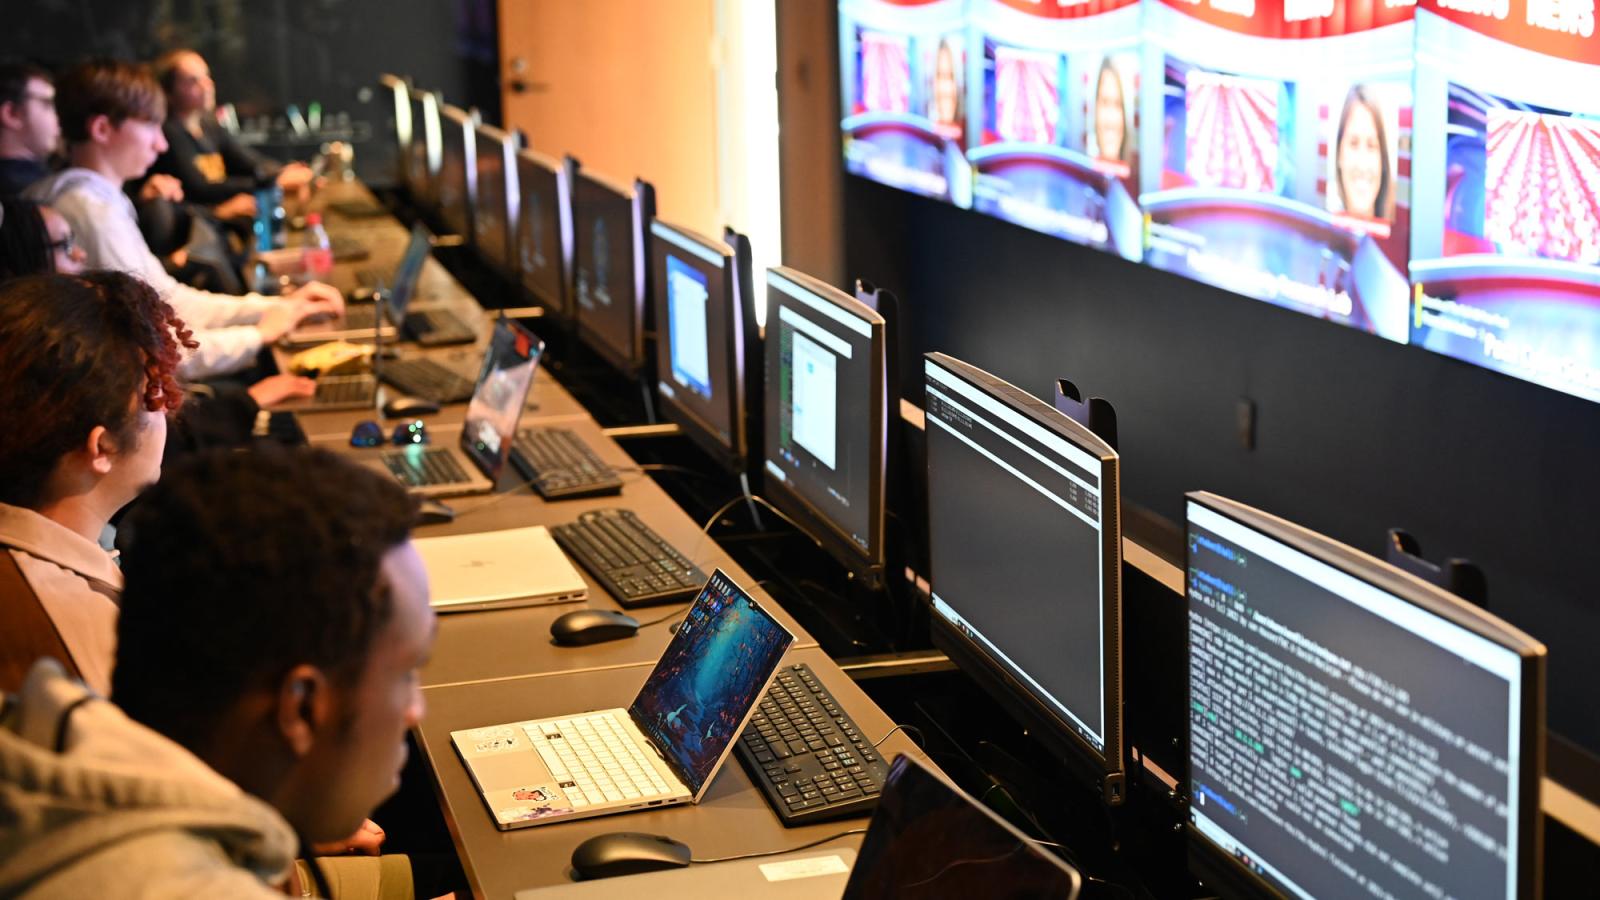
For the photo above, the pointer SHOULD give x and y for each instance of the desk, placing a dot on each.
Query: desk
(733, 818)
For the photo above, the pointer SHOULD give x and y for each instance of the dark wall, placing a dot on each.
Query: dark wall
(265, 54)
(1354, 435)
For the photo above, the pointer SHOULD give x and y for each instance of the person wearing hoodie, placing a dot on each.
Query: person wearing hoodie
(111, 117)
(268, 653)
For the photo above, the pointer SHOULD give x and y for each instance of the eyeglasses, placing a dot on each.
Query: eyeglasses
(66, 245)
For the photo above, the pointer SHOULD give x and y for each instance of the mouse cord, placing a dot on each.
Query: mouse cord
(677, 612)
(911, 731)
(817, 842)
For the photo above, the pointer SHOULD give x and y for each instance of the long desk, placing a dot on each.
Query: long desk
(734, 817)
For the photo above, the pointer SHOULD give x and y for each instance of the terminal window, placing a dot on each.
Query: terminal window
(1344, 742)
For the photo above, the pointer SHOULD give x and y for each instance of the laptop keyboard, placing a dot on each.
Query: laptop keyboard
(561, 465)
(595, 760)
(629, 560)
(342, 389)
(418, 467)
(438, 327)
(427, 379)
(360, 317)
(805, 751)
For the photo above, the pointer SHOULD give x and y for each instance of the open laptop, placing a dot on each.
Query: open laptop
(664, 749)
(432, 326)
(498, 569)
(474, 465)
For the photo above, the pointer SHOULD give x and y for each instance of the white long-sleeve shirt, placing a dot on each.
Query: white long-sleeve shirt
(107, 227)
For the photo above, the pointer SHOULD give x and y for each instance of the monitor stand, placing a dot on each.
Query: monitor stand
(1458, 576)
(1096, 414)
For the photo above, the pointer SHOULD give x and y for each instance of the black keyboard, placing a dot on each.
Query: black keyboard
(360, 318)
(417, 467)
(560, 465)
(438, 327)
(812, 762)
(345, 390)
(427, 379)
(629, 560)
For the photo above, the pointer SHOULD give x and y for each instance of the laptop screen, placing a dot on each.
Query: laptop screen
(709, 679)
(409, 272)
(928, 839)
(496, 405)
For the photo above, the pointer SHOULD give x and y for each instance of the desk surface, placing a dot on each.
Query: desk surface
(733, 818)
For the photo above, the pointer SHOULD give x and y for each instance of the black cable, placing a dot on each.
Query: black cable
(677, 612)
(921, 739)
(817, 842)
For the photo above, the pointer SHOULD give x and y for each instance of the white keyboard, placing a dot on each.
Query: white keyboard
(596, 760)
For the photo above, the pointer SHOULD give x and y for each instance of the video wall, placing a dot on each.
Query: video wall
(1426, 173)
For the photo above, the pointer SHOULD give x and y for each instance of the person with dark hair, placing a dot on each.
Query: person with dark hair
(1361, 158)
(111, 114)
(29, 129)
(213, 167)
(36, 238)
(267, 673)
(88, 363)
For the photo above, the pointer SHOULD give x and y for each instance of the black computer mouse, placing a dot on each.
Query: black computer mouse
(406, 407)
(627, 853)
(591, 626)
(432, 512)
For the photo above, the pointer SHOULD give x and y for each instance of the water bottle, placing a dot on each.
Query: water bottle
(318, 252)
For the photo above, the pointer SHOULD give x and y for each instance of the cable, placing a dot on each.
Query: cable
(678, 611)
(817, 842)
(921, 739)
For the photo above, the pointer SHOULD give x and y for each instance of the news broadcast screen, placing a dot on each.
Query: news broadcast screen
(1507, 239)
(1057, 141)
(1283, 144)
(903, 71)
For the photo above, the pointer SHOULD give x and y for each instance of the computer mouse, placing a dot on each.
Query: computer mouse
(405, 407)
(362, 294)
(591, 626)
(627, 853)
(432, 512)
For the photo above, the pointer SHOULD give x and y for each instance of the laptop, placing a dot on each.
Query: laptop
(663, 750)
(499, 569)
(474, 464)
(923, 822)
(430, 326)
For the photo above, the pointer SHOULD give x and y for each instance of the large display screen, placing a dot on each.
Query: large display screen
(1426, 172)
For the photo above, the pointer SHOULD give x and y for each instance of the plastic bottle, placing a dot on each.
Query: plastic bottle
(318, 253)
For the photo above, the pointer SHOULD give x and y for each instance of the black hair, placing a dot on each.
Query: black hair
(14, 78)
(240, 566)
(24, 239)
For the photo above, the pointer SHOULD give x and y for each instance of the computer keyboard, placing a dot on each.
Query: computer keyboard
(596, 760)
(427, 379)
(438, 327)
(416, 467)
(372, 276)
(345, 390)
(360, 318)
(560, 465)
(629, 560)
(812, 762)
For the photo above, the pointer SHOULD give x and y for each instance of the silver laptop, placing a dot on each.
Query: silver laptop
(359, 322)
(474, 464)
(499, 569)
(663, 750)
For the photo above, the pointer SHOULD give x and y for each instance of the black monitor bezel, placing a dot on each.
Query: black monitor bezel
(640, 197)
(456, 119)
(527, 160)
(1227, 876)
(865, 563)
(421, 185)
(400, 118)
(1106, 770)
(504, 261)
(732, 453)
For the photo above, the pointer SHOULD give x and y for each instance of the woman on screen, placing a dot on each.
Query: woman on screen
(945, 101)
(1110, 115)
(1361, 158)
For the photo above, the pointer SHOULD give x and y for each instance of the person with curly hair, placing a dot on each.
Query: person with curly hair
(89, 363)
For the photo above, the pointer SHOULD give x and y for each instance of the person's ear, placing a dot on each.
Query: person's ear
(101, 129)
(305, 707)
(9, 117)
(101, 449)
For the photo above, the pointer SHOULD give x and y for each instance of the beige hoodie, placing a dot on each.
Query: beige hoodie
(93, 804)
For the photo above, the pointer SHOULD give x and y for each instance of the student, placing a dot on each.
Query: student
(29, 129)
(214, 168)
(267, 673)
(87, 362)
(36, 238)
(111, 115)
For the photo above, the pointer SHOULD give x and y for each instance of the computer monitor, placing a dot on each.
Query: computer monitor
(457, 184)
(393, 90)
(424, 154)
(1353, 730)
(494, 218)
(826, 402)
(700, 351)
(544, 230)
(1025, 548)
(610, 266)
